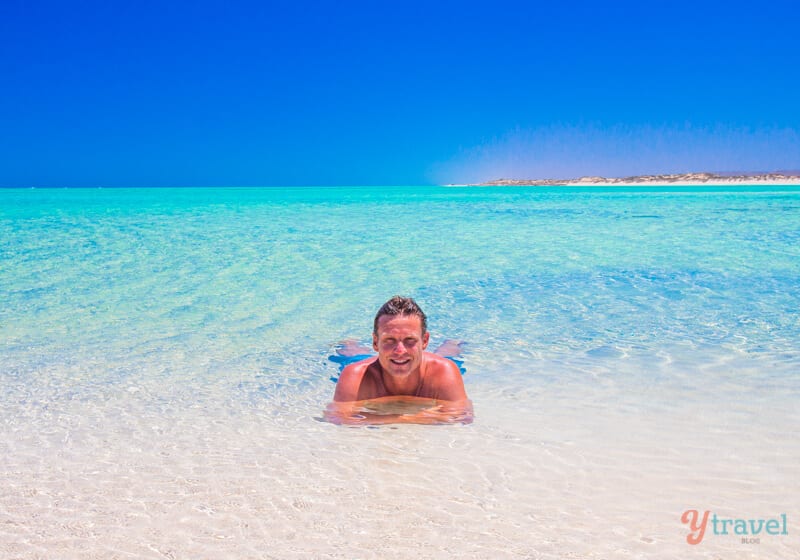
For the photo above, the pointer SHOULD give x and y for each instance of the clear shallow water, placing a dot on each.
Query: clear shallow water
(631, 354)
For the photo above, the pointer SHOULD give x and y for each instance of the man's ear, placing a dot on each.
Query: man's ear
(425, 338)
(374, 342)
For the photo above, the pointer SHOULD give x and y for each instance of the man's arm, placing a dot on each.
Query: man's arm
(401, 409)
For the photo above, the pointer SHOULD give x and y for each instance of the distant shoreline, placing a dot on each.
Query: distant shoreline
(682, 179)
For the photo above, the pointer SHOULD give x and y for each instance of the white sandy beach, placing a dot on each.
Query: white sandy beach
(590, 182)
(720, 183)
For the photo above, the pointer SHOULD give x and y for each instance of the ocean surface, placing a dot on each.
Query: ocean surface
(631, 353)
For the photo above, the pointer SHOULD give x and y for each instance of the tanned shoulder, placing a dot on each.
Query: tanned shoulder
(350, 381)
(446, 378)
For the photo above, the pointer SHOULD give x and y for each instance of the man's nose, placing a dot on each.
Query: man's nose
(399, 348)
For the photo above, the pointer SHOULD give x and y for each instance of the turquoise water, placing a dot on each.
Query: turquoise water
(161, 319)
(255, 274)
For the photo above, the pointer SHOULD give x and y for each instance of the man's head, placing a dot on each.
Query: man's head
(400, 305)
(400, 336)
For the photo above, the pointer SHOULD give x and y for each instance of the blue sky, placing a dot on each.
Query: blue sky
(392, 93)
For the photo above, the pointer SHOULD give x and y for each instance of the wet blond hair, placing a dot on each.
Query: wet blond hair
(400, 305)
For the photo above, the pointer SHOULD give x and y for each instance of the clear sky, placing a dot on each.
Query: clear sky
(159, 93)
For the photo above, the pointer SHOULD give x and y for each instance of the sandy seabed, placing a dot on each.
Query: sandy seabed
(579, 470)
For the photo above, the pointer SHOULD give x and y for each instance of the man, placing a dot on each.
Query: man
(404, 383)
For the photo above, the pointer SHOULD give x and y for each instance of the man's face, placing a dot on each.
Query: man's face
(400, 343)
